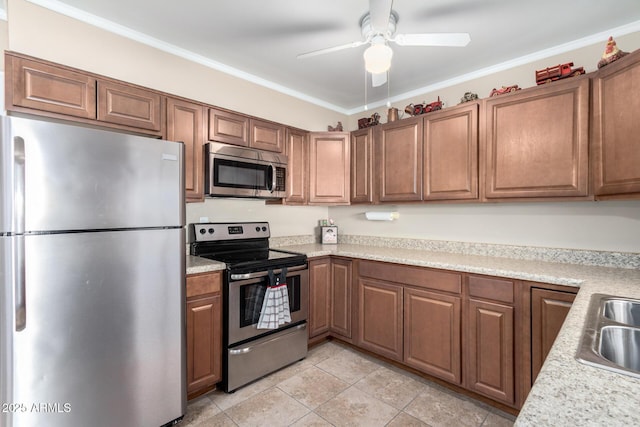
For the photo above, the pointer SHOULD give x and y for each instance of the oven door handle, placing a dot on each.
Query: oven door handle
(245, 350)
(263, 273)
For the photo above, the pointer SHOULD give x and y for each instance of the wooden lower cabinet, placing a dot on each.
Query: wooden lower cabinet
(319, 296)
(490, 350)
(432, 333)
(204, 332)
(380, 318)
(549, 308)
(340, 299)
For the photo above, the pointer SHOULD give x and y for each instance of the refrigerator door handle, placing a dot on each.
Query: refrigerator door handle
(19, 283)
(19, 225)
(19, 184)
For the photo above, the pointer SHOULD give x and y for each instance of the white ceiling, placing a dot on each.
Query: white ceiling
(259, 39)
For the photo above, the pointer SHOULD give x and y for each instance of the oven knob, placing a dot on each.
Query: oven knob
(257, 228)
(202, 231)
(211, 231)
(264, 228)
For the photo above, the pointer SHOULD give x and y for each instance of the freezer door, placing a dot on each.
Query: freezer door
(103, 342)
(79, 178)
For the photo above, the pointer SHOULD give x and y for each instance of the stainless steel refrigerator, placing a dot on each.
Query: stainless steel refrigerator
(92, 277)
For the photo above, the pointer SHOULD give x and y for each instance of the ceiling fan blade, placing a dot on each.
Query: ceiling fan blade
(378, 79)
(379, 11)
(331, 49)
(434, 39)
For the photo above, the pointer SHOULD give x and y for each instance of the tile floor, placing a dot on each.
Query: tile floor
(339, 386)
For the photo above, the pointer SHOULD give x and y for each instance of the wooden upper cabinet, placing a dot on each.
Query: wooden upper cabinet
(329, 168)
(131, 106)
(47, 88)
(616, 128)
(450, 150)
(361, 163)
(266, 135)
(185, 123)
(398, 148)
(228, 127)
(537, 142)
(297, 151)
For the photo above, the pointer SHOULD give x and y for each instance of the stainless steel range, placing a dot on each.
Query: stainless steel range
(255, 275)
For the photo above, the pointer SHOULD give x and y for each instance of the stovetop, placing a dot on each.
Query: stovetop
(244, 247)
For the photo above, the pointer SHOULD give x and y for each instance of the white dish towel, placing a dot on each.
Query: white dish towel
(275, 306)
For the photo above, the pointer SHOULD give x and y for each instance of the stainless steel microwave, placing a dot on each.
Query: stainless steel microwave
(232, 171)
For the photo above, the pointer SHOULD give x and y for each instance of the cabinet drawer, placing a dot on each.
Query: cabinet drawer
(415, 276)
(491, 288)
(202, 284)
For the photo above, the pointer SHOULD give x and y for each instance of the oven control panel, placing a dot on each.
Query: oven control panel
(214, 231)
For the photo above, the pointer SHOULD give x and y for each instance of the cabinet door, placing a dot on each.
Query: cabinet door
(266, 136)
(329, 168)
(616, 146)
(43, 87)
(297, 151)
(129, 106)
(450, 168)
(361, 162)
(537, 142)
(548, 310)
(229, 128)
(204, 342)
(490, 352)
(341, 297)
(185, 123)
(432, 333)
(399, 154)
(319, 296)
(380, 318)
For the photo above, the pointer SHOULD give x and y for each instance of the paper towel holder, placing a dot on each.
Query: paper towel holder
(382, 215)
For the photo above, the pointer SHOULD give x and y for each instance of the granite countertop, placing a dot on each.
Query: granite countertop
(196, 264)
(566, 392)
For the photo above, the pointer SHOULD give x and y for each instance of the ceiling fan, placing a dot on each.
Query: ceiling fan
(378, 29)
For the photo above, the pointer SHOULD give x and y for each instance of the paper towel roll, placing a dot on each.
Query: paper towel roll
(382, 216)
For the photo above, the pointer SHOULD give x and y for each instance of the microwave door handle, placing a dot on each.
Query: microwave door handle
(273, 177)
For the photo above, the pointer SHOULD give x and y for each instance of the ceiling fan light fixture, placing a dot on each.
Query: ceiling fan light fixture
(377, 58)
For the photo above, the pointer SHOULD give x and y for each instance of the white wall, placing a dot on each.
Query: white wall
(39, 32)
(606, 226)
(283, 220)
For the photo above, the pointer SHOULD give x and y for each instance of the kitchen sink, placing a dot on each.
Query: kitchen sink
(611, 336)
(621, 345)
(622, 311)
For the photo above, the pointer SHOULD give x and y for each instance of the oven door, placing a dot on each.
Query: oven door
(246, 297)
